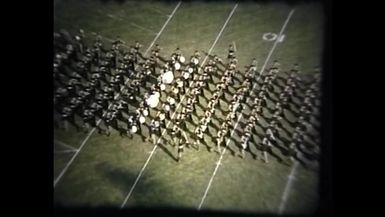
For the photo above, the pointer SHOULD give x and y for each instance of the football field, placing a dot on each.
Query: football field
(95, 170)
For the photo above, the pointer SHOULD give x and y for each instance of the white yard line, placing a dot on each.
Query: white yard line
(93, 129)
(276, 42)
(223, 28)
(263, 67)
(155, 146)
(73, 157)
(289, 183)
(164, 26)
(218, 163)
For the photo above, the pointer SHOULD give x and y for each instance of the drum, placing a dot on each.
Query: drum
(156, 123)
(186, 75)
(156, 94)
(171, 100)
(134, 129)
(162, 86)
(145, 113)
(177, 66)
(153, 100)
(167, 108)
(182, 59)
(190, 70)
(167, 77)
(195, 61)
(173, 57)
(142, 119)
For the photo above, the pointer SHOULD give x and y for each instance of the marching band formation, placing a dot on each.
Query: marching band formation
(117, 87)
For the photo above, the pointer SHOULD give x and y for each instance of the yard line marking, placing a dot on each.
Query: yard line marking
(289, 183)
(224, 25)
(93, 129)
(73, 157)
(64, 144)
(218, 164)
(168, 123)
(276, 42)
(137, 178)
(263, 67)
(164, 26)
(281, 38)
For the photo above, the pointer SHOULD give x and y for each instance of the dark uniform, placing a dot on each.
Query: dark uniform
(67, 115)
(266, 145)
(161, 117)
(231, 52)
(198, 134)
(176, 134)
(132, 126)
(154, 130)
(137, 47)
(88, 119)
(246, 137)
(167, 110)
(156, 50)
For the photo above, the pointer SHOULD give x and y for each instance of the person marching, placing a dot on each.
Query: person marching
(154, 130)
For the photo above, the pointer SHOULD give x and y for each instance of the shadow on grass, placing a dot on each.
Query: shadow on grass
(168, 152)
(123, 179)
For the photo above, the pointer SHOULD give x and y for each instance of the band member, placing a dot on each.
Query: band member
(219, 140)
(161, 117)
(137, 46)
(132, 127)
(198, 134)
(266, 146)
(245, 139)
(176, 135)
(292, 151)
(171, 102)
(154, 130)
(181, 144)
(167, 110)
(156, 50)
(180, 86)
(276, 64)
(231, 52)
(68, 116)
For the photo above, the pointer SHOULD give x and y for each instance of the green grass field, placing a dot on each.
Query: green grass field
(105, 169)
